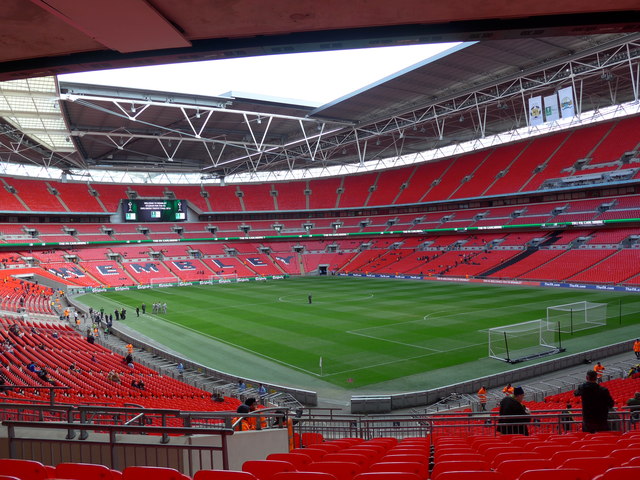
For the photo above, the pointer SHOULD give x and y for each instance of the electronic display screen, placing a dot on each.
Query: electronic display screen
(154, 210)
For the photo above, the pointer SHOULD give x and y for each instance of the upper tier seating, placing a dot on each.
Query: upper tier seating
(36, 195)
(76, 197)
(291, 195)
(110, 195)
(510, 168)
(356, 190)
(388, 186)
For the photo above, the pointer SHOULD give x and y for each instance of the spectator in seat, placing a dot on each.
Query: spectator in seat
(217, 397)
(634, 408)
(596, 402)
(44, 375)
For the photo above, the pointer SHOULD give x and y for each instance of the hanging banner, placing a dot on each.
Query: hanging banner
(551, 112)
(535, 111)
(567, 105)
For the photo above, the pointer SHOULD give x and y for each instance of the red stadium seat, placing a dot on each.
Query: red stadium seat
(298, 460)
(407, 457)
(621, 473)
(303, 476)
(442, 467)
(473, 475)
(341, 470)
(223, 475)
(23, 469)
(310, 438)
(265, 469)
(152, 473)
(458, 457)
(555, 474)
(419, 469)
(387, 476)
(515, 468)
(592, 465)
(625, 454)
(315, 453)
(502, 457)
(327, 447)
(559, 458)
(82, 471)
(358, 458)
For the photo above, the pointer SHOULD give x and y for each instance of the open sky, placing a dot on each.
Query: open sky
(314, 78)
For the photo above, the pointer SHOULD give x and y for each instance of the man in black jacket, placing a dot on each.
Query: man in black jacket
(596, 402)
(514, 416)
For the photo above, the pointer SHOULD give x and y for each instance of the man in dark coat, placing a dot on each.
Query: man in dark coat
(514, 416)
(596, 402)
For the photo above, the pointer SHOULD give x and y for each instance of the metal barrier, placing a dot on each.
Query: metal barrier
(333, 426)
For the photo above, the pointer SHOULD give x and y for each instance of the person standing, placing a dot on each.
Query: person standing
(482, 398)
(310, 299)
(636, 348)
(514, 416)
(596, 402)
(566, 419)
(143, 307)
(137, 311)
(599, 369)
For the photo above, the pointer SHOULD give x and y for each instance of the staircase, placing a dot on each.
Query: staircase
(552, 238)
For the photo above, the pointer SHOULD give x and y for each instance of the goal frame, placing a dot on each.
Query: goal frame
(574, 317)
(233, 277)
(518, 342)
(155, 281)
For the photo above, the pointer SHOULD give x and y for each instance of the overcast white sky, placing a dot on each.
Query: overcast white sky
(315, 78)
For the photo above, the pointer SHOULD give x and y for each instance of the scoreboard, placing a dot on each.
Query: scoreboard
(154, 210)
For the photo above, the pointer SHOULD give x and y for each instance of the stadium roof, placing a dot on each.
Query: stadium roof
(478, 89)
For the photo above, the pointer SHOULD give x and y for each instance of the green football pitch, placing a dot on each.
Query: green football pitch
(368, 332)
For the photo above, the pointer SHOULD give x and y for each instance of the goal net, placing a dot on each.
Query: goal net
(522, 341)
(162, 280)
(223, 277)
(574, 317)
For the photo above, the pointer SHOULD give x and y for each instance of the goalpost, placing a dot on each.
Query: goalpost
(232, 277)
(574, 317)
(160, 281)
(522, 341)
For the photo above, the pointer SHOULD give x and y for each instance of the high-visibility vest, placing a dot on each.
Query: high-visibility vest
(482, 395)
